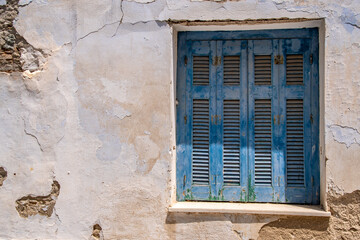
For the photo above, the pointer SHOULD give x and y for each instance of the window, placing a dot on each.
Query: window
(248, 116)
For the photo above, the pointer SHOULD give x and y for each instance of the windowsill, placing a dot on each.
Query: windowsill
(249, 208)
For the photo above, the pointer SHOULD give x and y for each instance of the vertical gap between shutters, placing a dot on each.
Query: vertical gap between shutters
(294, 69)
(200, 141)
(201, 70)
(262, 69)
(294, 142)
(231, 142)
(263, 142)
(231, 70)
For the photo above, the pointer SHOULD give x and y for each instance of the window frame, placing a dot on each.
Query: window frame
(259, 34)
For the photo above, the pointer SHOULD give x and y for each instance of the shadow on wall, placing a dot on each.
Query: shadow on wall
(344, 222)
(213, 225)
(180, 218)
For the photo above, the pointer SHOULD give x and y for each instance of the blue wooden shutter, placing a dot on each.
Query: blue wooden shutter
(232, 109)
(296, 112)
(247, 116)
(197, 175)
(264, 159)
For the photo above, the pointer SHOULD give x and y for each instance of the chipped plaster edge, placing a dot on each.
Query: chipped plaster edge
(255, 24)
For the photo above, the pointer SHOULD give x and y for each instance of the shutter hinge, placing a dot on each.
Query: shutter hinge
(311, 59)
(185, 60)
(185, 119)
(216, 61)
(216, 119)
(311, 118)
(279, 59)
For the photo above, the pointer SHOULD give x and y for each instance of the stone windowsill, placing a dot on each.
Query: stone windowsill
(249, 208)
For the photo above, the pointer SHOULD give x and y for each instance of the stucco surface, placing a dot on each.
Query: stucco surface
(87, 100)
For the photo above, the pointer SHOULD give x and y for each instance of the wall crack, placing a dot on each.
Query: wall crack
(32, 135)
(353, 24)
(121, 19)
(105, 25)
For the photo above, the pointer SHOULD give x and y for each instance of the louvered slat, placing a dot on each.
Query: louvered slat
(231, 70)
(294, 69)
(263, 149)
(294, 142)
(231, 144)
(200, 141)
(263, 70)
(201, 70)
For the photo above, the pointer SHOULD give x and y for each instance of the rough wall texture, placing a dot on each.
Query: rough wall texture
(85, 90)
(344, 222)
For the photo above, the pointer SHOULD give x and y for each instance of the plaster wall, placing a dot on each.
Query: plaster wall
(86, 102)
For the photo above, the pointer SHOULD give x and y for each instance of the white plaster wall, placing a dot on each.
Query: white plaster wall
(97, 116)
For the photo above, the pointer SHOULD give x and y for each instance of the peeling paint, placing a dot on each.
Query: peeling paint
(24, 2)
(345, 135)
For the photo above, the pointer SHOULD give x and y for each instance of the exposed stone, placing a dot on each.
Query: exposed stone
(44, 205)
(12, 44)
(344, 222)
(3, 175)
(31, 59)
(97, 233)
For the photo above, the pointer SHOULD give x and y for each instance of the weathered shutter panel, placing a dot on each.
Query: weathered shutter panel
(231, 141)
(263, 142)
(262, 69)
(200, 141)
(231, 70)
(247, 126)
(201, 70)
(294, 142)
(294, 69)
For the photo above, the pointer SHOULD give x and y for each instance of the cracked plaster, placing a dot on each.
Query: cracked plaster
(105, 81)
